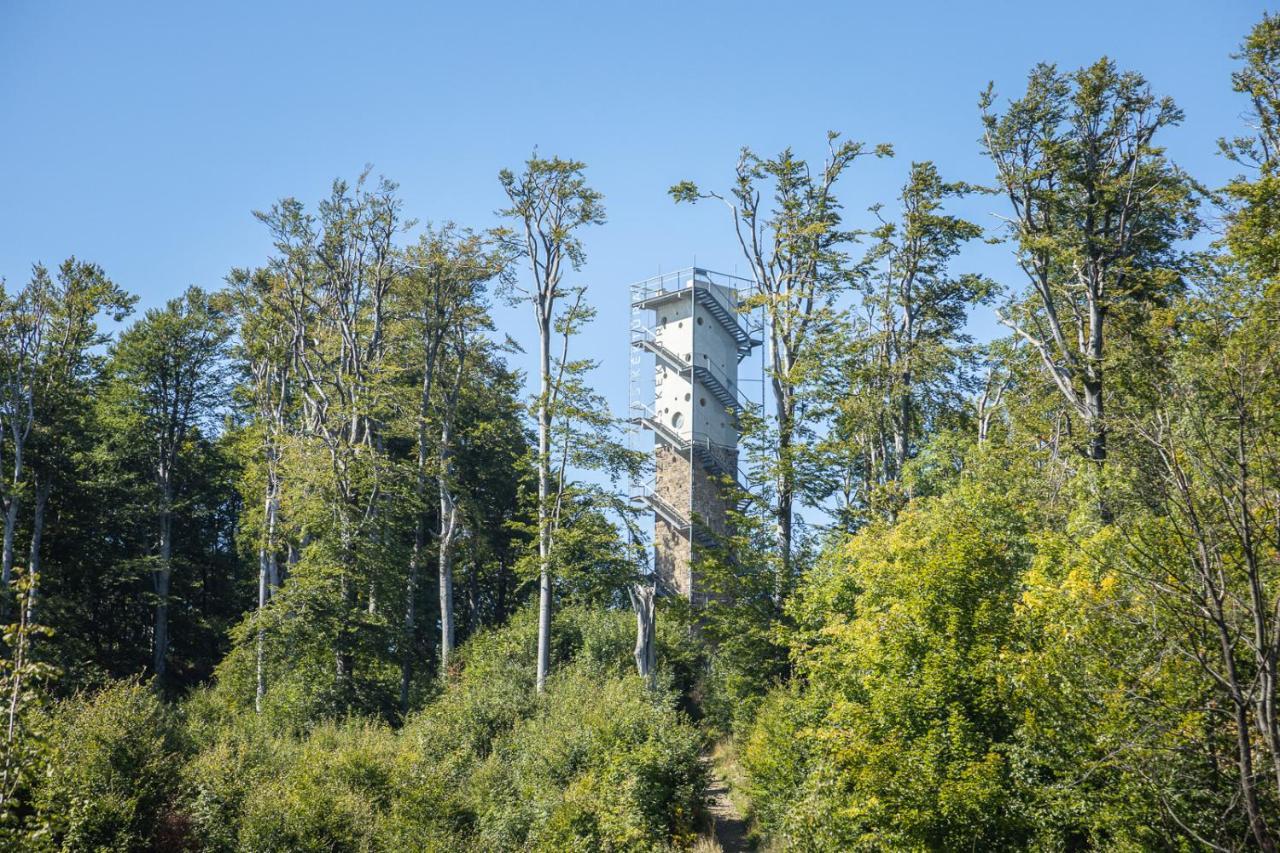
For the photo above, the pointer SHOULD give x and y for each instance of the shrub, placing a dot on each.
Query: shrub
(113, 767)
(598, 762)
(603, 763)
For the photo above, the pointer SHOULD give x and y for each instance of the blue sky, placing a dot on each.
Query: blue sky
(141, 135)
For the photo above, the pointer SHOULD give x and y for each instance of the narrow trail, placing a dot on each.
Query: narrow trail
(728, 827)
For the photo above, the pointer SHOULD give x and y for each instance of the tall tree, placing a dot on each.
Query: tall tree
(24, 321)
(336, 273)
(440, 302)
(168, 379)
(907, 363)
(796, 249)
(549, 203)
(1097, 212)
(266, 347)
(67, 365)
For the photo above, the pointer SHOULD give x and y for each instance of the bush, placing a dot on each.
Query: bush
(602, 764)
(113, 766)
(904, 715)
(598, 762)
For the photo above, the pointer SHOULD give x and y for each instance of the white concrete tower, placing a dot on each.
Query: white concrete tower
(688, 338)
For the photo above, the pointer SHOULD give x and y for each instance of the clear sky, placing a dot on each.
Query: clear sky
(141, 135)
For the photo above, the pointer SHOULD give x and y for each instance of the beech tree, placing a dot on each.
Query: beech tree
(168, 379)
(266, 347)
(1097, 212)
(23, 324)
(337, 273)
(905, 367)
(48, 337)
(549, 203)
(797, 252)
(440, 303)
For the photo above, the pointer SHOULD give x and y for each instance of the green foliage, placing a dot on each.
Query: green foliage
(24, 684)
(113, 768)
(601, 764)
(598, 761)
(901, 636)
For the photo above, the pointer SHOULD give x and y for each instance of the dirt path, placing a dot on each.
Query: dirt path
(727, 826)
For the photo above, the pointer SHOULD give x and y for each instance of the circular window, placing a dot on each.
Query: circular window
(702, 401)
(688, 396)
(677, 420)
(699, 321)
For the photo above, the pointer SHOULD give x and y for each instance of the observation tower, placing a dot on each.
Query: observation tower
(688, 341)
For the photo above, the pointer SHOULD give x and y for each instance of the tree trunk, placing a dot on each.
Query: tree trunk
(268, 576)
(37, 536)
(448, 518)
(448, 525)
(160, 579)
(344, 659)
(544, 520)
(642, 600)
(448, 530)
(10, 525)
(408, 629)
(786, 493)
(1097, 451)
(260, 674)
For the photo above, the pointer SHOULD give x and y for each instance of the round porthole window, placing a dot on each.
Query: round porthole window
(677, 420)
(687, 396)
(699, 321)
(702, 401)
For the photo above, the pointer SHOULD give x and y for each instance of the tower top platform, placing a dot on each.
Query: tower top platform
(718, 293)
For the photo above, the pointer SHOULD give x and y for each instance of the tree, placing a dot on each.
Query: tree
(907, 364)
(1255, 211)
(1097, 211)
(796, 251)
(550, 201)
(336, 281)
(168, 375)
(22, 328)
(440, 301)
(267, 344)
(50, 335)
(1213, 558)
(24, 681)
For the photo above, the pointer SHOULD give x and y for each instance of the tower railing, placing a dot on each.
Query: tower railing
(711, 298)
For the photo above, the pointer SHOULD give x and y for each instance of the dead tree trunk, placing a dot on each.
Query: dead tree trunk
(642, 601)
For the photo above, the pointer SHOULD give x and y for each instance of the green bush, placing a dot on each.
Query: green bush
(113, 767)
(898, 731)
(598, 762)
(602, 764)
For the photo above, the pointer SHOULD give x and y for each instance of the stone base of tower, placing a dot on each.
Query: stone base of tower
(696, 495)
